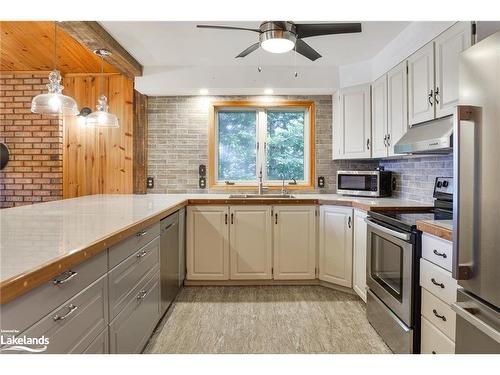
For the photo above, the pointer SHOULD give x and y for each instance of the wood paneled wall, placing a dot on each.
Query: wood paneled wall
(98, 161)
(140, 142)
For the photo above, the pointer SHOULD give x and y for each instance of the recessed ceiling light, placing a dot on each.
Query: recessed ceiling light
(268, 91)
(203, 91)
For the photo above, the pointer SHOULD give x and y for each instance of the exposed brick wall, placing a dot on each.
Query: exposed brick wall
(178, 141)
(415, 176)
(34, 173)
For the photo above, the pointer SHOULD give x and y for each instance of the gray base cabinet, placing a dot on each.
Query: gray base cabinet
(100, 345)
(74, 325)
(131, 329)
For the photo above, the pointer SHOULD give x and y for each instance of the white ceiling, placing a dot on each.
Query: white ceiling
(183, 44)
(179, 58)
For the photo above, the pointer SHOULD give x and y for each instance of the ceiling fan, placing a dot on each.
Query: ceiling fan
(283, 36)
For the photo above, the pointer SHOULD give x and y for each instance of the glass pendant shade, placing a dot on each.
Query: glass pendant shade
(102, 118)
(54, 102)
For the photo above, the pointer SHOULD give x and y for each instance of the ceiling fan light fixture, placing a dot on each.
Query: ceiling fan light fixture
(277, 41)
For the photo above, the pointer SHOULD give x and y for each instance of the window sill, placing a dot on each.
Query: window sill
(222, 187)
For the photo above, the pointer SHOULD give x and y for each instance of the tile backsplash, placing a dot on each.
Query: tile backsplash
(415, 176)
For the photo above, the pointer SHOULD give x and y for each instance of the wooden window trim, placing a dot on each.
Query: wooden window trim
(215, 106)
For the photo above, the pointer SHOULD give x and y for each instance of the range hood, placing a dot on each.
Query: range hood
(432, 137)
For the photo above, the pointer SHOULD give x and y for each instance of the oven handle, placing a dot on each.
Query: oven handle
(402, 236)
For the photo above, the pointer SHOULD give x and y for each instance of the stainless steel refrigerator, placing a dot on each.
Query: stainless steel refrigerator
(477, 199)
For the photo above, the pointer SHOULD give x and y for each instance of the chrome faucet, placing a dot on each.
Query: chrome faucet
(261, 187)
(283, 190)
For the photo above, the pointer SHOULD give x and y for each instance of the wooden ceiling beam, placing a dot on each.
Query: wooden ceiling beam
(92, 35)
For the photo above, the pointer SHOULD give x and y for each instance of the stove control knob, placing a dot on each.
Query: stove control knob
(439, 184)
(445, 183)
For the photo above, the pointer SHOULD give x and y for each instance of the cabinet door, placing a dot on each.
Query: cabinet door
(250, 242)
(355, 121)
(397, 105)
(379, 117)
(207, 253)
(448, 47)
(421, 85)
(335, 245)
(337, 129)
(294, 242)
(359, 254)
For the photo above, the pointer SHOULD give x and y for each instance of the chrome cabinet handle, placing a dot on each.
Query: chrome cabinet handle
(141, 233)
(141, 254)
(431, 94)
(68, 275)
(439, 254)
(436, 95)
(442, 317)
(142, 294)
(71, 309)
(441, 285)
(391, 232)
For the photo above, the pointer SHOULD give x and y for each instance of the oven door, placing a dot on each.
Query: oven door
(389, 268)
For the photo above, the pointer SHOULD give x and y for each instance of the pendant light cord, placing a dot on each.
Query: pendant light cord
(55, 45)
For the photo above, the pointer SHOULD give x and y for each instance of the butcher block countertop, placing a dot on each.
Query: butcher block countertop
(40, 241)
(439, 228)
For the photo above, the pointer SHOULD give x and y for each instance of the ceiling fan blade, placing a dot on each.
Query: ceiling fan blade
(226, 28)
(249, 50)
(306, 30)
(306, 50)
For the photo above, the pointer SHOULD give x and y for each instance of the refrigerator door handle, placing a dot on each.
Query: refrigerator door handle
(466, 123)
(466, 311)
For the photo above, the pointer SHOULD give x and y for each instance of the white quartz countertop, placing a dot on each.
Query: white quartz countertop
(34, 236)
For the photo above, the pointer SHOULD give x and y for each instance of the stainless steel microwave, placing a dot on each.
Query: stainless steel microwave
(365, 183)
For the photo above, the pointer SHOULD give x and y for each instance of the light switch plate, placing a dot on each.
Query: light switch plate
(202, 183)
(151, 182)
(321, 182)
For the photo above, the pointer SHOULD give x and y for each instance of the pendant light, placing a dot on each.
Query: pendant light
(102, 118)
(54, 102)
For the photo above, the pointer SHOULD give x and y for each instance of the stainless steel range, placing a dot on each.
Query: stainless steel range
(392, 274)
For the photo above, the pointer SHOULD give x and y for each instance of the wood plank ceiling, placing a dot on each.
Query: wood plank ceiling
(29, 46)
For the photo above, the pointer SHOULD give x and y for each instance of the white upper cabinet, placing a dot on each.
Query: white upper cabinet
(355, 122)
(421, 85)
(448, 46)
(397, 105)
(294, 242)
(335, 245)
(250, 242)
(379, 117)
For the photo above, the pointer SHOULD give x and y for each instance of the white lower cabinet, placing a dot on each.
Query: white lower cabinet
(359, 254)
(207, 252)
(433, 341)
(250, 242)
(335, 245)
(294, 230)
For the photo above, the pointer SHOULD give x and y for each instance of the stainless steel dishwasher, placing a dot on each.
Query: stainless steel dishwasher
(169, 259)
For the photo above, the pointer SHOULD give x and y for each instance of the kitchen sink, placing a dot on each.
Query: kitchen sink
(265, 196)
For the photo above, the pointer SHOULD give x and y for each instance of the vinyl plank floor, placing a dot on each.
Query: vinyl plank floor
(265, 319)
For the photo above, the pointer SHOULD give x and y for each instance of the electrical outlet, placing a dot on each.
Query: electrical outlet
(321, 182)
(202, 170)
(202, 183)
(151, 182)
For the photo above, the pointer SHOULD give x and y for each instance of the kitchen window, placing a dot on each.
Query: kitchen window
(245, 138)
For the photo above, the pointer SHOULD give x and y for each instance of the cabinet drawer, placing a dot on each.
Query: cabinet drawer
(124, 277)
(75, 324)
(131, 329)
(26, 310)
(437, 251)
(100, 345)
(438, 281)
(127, 247)
(434, 341)
(439, 313)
